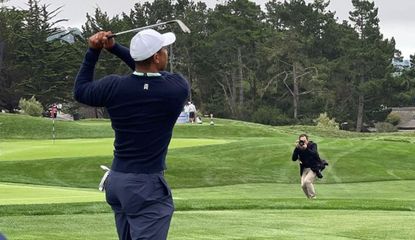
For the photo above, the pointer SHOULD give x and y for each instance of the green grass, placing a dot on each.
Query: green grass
(236, 161)
(26, 127)
(32, 194)
(69, 148)
(370, 195)
(231, 224)
(233, 180)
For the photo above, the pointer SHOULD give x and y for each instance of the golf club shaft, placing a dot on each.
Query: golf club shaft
(181, 25)
(141, 28)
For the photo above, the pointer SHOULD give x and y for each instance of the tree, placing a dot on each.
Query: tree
(339, 98)
(295, 59)
(45, 64)
(372, 55)
(229, 52)
(302, 26)
(412, 60)
(11, 24)
(400, 89)
(186, 53)
(33, 65)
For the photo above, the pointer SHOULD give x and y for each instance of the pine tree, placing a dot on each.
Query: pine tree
(372, 56)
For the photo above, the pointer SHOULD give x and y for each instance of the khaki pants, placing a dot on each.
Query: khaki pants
(307, 179)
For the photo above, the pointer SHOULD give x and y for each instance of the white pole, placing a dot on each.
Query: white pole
(53, 113)
(53, 130)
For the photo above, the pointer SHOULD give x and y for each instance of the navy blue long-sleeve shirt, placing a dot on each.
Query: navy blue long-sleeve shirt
(142, 109)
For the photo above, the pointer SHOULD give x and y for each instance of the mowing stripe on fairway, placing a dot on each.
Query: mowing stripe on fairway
(68, 148)
(389, 190)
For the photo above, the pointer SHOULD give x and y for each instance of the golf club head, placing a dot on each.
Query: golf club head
(182, 26)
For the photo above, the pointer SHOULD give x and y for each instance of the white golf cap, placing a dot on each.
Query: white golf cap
(147, 42)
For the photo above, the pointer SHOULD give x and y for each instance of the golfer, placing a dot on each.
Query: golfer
(143, 107)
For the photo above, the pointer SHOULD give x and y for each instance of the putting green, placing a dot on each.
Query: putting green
(47, 149)
(35, 194)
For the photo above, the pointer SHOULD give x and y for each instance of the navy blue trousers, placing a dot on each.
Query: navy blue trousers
(142, 204)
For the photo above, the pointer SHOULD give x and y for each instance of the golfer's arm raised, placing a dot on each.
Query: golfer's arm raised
(122, 53)
(87, 91)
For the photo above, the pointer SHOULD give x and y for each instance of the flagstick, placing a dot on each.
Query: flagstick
(53, 130)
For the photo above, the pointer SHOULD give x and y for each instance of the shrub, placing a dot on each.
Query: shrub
(31, 106)
(270, 116)
(323, 121)
(393, 118)
(385, 127)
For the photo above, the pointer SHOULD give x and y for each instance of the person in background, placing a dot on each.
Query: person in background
(54, 111)
(186, 110)
(306, 152)
(192, 112)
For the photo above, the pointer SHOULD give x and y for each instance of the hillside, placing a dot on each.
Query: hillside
(233, 180)
(251, 153)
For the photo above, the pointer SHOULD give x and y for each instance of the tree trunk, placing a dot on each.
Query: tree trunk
(1, 53)
(360, 108)
(234, 93)
(296, 95)
(190, 82)
(241, 83)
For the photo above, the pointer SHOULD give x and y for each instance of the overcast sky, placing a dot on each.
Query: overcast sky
(397, 17)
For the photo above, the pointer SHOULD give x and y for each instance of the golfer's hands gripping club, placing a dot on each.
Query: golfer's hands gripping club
(101, 40)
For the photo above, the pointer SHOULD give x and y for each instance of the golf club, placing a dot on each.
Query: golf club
(182, 26)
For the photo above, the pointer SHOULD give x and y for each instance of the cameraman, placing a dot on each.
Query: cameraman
(306, 152)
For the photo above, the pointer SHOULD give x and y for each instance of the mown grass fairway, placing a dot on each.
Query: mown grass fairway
(230, 224)
(234, 180)
(69, 148)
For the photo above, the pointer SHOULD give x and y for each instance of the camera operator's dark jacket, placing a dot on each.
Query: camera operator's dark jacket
(309, 157)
